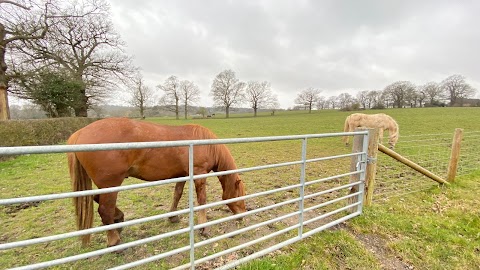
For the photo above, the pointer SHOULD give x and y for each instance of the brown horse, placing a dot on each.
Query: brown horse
(380, 121)
(110, 168)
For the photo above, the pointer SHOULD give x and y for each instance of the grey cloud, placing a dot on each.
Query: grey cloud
(336, 46)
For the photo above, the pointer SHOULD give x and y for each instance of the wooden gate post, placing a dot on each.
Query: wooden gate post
(455, 155)
(373, 136)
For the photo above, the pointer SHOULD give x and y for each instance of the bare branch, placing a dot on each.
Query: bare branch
(14, 3)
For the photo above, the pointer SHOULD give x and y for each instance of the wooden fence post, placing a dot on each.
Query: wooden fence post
(373, 136)
(455, 155)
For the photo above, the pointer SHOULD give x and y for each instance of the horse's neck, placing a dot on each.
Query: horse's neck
(223, 159)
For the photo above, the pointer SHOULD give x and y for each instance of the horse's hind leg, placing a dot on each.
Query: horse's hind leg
(177, 194)
(118, 217)
(107, 211)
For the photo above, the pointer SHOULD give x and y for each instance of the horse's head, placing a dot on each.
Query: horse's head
(393, 139)
(234, 189)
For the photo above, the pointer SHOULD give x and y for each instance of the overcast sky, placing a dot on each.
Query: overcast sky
(335, 46)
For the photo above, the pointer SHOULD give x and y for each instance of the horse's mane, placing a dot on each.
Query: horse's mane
(201, 133)
(221, 154)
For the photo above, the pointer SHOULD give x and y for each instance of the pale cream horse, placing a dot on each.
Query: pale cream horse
(381, 121)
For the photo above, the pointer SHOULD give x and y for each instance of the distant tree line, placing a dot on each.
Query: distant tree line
(452, 91)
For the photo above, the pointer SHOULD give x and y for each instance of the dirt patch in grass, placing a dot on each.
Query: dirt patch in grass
(14, 208)
(378, 246)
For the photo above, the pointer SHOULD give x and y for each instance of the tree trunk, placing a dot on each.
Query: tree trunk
(4, 108)
(142, 110)
(176, 109)
(186, 112)
(82, 106)
(227, 111)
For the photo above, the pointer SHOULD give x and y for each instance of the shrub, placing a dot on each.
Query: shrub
(39, 131)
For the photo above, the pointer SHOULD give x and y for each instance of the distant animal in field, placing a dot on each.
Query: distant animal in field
(110, 168)
(381, 121)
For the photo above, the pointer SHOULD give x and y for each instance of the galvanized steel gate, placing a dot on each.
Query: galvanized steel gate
(299, 226)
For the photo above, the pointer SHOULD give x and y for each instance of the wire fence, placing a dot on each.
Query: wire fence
(431, 151)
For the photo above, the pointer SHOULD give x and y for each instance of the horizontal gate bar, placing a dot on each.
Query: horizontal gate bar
(21, 150)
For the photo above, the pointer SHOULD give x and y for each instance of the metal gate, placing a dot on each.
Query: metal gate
(303, 225)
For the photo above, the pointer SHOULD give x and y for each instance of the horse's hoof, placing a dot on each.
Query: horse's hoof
(117, 242)
(174, 219)
(204, 232)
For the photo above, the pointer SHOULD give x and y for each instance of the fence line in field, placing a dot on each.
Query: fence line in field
(431, 151)
(307, 203)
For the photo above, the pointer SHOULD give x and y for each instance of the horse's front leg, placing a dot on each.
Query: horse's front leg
(177, 194)
(200, 187)
(380, 135)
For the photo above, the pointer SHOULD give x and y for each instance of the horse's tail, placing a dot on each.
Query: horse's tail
(346, 129)
(83, 205)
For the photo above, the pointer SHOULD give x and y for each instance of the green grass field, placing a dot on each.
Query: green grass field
(438, 228)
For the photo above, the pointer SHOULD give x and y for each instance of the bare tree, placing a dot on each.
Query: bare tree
(322, 103)
(386, 100)
(398, 92)
(172, 95)
(362, 98)
(332, 101)
(457, 89)
(258, 94)
(190, 93)
(432, 91)
(374, 99)
(13, 14)
(411, 97)
(141, 95)
(227, 90)
(420, 97)
(345, 100)
(81, 39)
(203, 111)
(273, 104)
(308, 98)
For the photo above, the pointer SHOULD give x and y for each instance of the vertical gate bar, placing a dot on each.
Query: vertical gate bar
(191, 221)
(362, 163)
(302, 187)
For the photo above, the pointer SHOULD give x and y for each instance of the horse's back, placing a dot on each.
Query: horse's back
(112, 130)
(147, 164)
